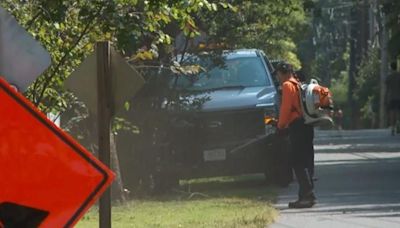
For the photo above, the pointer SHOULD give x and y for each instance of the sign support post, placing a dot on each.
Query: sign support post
(105, 82)
(104, 113)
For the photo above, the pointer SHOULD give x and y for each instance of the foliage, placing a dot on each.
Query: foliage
(340, 30)
(141, 30)
(392, 10)
(339, 88)
(273, 26)
(69, 29)
(330, 39)
(367, 91)
(145, 30)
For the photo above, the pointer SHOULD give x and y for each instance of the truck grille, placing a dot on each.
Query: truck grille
(219, 127)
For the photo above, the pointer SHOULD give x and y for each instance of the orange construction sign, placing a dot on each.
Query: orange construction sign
(47, 179)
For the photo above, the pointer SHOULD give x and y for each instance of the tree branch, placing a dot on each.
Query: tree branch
(30, 23)
(64, 58)
(185, 47)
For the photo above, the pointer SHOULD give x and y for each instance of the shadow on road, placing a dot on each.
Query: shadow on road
(359, 186)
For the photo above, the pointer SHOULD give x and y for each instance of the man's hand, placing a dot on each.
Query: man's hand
(284, 132)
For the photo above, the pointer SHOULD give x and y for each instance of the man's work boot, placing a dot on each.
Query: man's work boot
(306, 201)
(303, 203)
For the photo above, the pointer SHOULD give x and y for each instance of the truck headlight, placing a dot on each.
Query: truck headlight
(268, 120)
(269, 116)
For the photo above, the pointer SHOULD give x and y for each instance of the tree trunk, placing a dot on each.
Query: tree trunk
(118, 186)
(384, 68)
(352, 69)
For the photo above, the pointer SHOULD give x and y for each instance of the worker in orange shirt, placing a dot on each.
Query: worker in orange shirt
(300, 135)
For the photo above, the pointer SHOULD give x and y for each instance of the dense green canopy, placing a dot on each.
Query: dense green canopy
(313, 34)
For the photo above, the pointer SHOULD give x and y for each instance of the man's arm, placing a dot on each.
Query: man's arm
(286, 106)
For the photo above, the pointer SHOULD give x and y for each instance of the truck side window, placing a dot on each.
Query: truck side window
(271, 69)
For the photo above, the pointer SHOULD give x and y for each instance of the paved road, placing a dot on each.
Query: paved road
(358, 185)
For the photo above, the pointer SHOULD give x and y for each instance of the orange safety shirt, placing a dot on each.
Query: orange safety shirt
(290, 107)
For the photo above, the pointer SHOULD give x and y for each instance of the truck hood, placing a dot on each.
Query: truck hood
(238, 98)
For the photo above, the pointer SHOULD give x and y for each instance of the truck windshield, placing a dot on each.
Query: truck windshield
(239, 72)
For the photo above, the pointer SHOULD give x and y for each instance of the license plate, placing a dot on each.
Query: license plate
(214, 155)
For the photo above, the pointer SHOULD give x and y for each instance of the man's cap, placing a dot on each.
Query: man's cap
(283, 67)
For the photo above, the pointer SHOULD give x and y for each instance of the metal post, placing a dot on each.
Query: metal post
(104, 110)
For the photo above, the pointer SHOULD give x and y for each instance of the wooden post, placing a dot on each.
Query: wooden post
(104, 111)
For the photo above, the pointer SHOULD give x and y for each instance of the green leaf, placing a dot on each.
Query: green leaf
(127, 106)
(214, 7)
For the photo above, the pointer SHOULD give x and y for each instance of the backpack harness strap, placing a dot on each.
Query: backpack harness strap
(302, 102)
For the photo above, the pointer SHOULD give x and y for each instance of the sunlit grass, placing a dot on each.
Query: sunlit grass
(217, 202)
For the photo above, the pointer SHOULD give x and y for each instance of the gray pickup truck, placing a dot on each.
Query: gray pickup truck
(214, 121)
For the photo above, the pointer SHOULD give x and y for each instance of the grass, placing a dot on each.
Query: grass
(243, 201)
